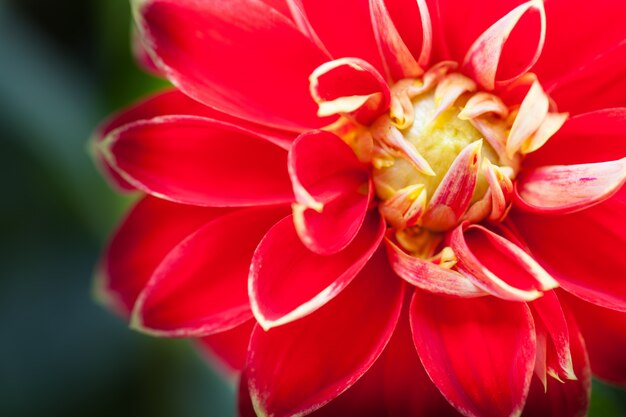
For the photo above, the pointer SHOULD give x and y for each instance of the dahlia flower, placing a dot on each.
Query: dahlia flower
(383, 207)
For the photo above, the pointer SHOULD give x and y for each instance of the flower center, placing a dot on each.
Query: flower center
(446, 153)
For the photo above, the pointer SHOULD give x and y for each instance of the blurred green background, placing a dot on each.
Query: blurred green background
(65, 65)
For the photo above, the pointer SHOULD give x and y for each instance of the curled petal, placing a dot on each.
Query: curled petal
(429, 276)
(200, 287)
(390, 137)
(501, 191)
(482, 103)
(483, 58)
(284, 363)
(497, 265)
(551, 124)
(406, 207)
(287, 281)
(479, 352)
(194, 160)
(531, 115)
(454, 193)
(449, 90)
(207, 51)
(350, 87)
(332, 189)
(395, 55)
(568, 188)
(150, 231)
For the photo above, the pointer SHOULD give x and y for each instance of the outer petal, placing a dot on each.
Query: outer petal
(200, 161)
(332, 189)
(584, 251)
(605, 338)
(200, 287)
(562, 189)
(408, 389)
(599, 29)
(550, 319)
(228, 350)
(141, 55)
(208, 51)
(593, 85)
(498, 265)
(172, 102)
(484, 56)
(564, 399)
(591, 137)
(345, 28)
(343, 338)
(287, 281)
(479, 352)
(151, 229)
(350, 87)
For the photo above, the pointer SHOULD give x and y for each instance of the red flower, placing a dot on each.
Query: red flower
(375, 207)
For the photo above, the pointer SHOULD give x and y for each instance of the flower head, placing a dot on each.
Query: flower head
(400, 207)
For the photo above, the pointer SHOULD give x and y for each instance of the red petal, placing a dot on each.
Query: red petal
(485, 55)
(208, 50)
(200, 161)
(560, 189)
(228, 350)
(408, 389)
(151, 229)
(479, 352)
(412, 19)
(200, 287)
(428, 276)
(454, 194)
(498, 265)
(345, 28)
(596, 84)
(591, 137)
(350, 87)
(328, 182)
(142, 57)
(564, 399)
(301, 366)
(599, 27)
(364, 399)
(287, 281)
(605, 338)
(397, 58)
(584, 251)
(549, 317)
